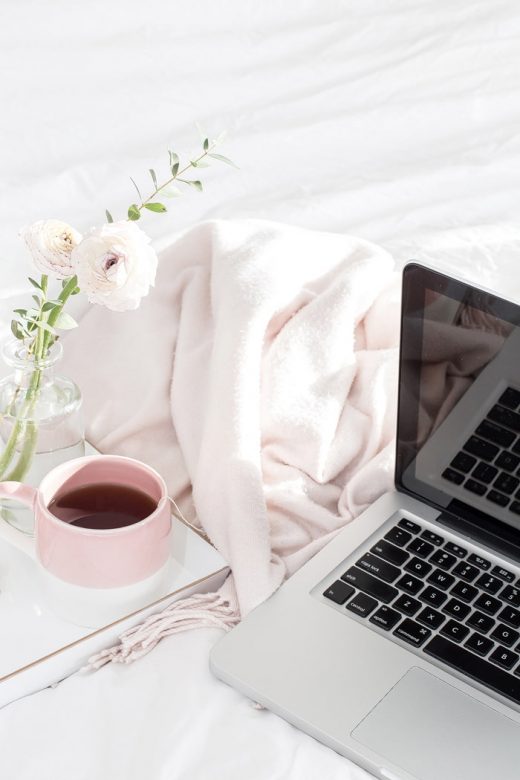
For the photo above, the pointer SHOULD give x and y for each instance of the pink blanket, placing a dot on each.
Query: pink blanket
(259, 378)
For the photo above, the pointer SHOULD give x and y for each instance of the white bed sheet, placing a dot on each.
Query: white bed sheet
(395, 120)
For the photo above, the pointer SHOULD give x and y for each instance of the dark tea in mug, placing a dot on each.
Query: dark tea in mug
(102, 506)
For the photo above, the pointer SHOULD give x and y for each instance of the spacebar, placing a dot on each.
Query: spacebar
(475, 667)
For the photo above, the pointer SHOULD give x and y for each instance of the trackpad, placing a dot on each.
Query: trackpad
(432, 730)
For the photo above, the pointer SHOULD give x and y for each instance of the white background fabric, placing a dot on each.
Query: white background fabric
(397, 121)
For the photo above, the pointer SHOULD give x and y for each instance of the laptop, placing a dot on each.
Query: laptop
(398, 644)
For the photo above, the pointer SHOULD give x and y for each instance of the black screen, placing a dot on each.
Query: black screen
(458, 442)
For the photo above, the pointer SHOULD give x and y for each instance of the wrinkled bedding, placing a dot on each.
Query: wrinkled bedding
(397, 122)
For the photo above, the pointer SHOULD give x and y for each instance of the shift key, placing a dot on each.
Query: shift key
(368, 584)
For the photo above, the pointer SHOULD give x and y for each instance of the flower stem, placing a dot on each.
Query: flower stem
(24, 428)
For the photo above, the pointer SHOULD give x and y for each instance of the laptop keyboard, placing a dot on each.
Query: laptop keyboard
(488, 464)
(435, 595)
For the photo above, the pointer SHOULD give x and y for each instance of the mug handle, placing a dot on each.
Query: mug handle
(26, 495)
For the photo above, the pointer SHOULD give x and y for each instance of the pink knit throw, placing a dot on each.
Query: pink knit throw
(259, 378)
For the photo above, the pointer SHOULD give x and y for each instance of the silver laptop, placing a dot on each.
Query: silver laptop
(398, 645)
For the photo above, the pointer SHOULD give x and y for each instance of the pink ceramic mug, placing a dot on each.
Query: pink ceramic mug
(90, 558)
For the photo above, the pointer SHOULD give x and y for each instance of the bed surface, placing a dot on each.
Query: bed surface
(396, 121)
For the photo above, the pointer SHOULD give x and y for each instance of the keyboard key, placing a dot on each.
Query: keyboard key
(463, 462)
(482, 449)
(481, 622)
(368, 584)
(497, 498)
(385, 618)
(515, 507)
(455, 631)
(504, 574)
(410, 584)
(412, 632)
(511, 595)
(418, 567)
(510, 398)
(484, 473)
(433, 596)
(511, 616)
(456, 609)
(480, 644)
(487, 604)
(489, 583)
(420, 547)
(505, 658)
(466, 571)
(441, 580)
(443, 559)
(464, 591)
(409, 525)
(507, 461)
(477, 560)
(362, 604)
(477, 668)
(475, 487)
(505, 635)
(339, 592)
(430, 617)
(495, 433)
(377, 567)
(504, 417)
(506, 483)
(389, 552)
(432, 537)
(456, 549)
(453, 476)
(398, 536)
(407, 604)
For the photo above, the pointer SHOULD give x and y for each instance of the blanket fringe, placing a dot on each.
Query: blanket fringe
(197, 611)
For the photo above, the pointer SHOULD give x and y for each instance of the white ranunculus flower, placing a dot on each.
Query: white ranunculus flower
(51, 242)
(115, 265)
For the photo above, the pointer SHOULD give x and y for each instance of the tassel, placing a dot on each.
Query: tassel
(198, 611)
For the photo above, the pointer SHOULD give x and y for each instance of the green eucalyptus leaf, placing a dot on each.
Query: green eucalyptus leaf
(16, 329)
(109, 216)
(65, 321)
(133, 212)
(154, 177)
(174, 159)
(50, 305)
(76, 291)
(46, 327)
(21, 312)
(36, 300)
(206, 144)
(170, 191)
(136, 189)
(158, 207)
(197, 184)
(222, 159)
(199, 164)
(175, 169)
(35, 284)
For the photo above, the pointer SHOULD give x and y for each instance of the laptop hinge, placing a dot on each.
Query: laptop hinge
(502, 538)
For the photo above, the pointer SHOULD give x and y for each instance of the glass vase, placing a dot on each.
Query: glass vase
(41, 423)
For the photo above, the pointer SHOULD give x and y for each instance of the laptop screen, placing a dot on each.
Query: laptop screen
(458, 437)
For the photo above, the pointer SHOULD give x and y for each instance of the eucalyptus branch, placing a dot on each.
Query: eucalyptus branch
(150, 203)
